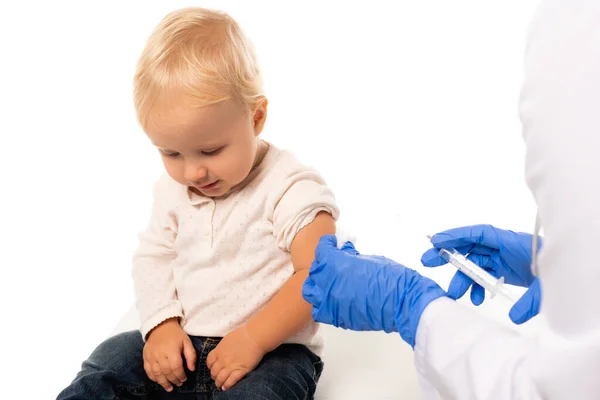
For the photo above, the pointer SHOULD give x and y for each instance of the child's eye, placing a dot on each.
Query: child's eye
(172, 154)
(213, 152)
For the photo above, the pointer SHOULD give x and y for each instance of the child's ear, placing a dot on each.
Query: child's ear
(260, 115)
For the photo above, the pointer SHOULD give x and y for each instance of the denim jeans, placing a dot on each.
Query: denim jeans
(115, 371)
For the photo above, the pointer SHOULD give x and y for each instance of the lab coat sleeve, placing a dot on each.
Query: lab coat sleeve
(460, 354)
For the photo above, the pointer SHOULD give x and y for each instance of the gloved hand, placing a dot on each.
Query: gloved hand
(366, 293)
(501, 253)
(528, 306)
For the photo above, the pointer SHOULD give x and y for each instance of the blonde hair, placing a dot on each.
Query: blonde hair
(197, 56)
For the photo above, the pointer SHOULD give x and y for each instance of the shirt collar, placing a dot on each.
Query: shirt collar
(196, 199)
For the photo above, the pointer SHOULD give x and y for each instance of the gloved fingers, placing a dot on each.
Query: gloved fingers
(484, 262)
(528, 306)
(317, 266)
(467, 235)
(349, 248)
(459, 285)
(481, 250)
(311, 293)
(477, 294)
(316, 315)
(431, 258)
(326, 243)
(494, 265)
(326, 314)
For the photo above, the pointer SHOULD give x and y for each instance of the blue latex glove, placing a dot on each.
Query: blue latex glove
(501, 253)
(366, 293)
(528, 306)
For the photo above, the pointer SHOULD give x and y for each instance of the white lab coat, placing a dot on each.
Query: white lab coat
(460, 354)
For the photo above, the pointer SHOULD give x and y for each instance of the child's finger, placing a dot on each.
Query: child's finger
(222, 377)
(234, 378)
(148, 369)
(215, 370)
(189, 352)
(211, 359)
(161, 379)
(171, 377)
(156, 370)
(165, 365)
(161, 368)
(177, 369)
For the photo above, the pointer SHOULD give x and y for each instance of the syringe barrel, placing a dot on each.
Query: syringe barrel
(478, 274)
(472, 270)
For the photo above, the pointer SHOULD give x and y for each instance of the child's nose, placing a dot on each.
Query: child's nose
(194, 172)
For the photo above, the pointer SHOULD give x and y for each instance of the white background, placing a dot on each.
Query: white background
(409, 110)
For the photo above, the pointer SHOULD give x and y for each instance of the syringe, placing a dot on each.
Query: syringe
(478, 274)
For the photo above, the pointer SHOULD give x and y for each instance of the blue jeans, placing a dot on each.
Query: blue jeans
(115, 371)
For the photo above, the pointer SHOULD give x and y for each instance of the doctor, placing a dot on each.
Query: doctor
(460, 354)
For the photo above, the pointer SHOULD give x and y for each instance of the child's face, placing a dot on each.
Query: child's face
(210, 149)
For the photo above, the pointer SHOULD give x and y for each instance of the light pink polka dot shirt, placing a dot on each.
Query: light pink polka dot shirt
(216, 262)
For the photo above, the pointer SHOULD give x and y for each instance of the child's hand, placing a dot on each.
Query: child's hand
(233, 358)
(162, 354)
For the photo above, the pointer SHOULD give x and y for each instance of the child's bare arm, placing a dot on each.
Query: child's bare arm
(287, 313)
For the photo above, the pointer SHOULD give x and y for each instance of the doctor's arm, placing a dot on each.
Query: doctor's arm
(462, 354)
